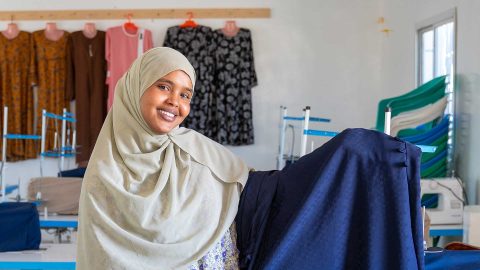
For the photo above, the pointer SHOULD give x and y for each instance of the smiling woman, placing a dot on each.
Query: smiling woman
(166, 103)
(155, 195)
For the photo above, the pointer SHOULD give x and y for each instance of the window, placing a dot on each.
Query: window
(436, 50)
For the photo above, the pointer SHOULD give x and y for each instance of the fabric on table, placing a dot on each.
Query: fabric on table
(19, 226)
(78, 172)
(59, 195)
(353, 203)
(453, 260)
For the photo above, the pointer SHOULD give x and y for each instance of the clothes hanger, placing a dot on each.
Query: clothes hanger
(129, 26)
(189, 22)
(89, 30)
(12, 30)
(230, 29)
(52, 32)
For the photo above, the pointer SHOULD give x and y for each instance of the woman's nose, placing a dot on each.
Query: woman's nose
(173, 99)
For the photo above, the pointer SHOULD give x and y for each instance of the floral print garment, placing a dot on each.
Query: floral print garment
(234, 79)
(223, 256)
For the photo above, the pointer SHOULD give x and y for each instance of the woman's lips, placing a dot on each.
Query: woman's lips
(167, 116)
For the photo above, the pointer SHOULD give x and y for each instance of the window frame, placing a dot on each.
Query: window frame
(432, 24)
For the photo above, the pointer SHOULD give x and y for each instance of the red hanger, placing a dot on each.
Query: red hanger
(129, 25)
(189, 22)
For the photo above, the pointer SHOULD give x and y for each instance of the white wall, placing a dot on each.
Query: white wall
(319, 53)
(398, 70)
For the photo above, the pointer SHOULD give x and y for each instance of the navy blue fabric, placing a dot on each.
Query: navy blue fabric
(353, 203)
(19, 226)
(78, 172)
(453, 260)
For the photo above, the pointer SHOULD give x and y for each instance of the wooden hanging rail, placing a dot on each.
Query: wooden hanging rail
(110, 14)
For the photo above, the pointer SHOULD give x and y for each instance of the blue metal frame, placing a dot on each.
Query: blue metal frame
(446, 232)
(313, 119)
(37, 265)
(58, 223)
(22, 136)
(52, 115)
(322, 133)
(54, 154)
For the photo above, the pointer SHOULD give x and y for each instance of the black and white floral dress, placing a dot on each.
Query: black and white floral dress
(234, 79)
(196, 44)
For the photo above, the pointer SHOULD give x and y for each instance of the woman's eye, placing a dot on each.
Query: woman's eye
(162, 87)
(185, 96)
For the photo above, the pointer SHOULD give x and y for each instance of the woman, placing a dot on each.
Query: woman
(156, 196)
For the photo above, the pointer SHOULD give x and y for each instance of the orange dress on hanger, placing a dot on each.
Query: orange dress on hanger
(51, 73)
(17, 71)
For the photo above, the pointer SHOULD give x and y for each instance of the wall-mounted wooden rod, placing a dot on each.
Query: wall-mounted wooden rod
(110, 14)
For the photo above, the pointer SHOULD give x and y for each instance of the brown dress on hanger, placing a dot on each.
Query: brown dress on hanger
(51, 74)
(87, 68)
(17, 71)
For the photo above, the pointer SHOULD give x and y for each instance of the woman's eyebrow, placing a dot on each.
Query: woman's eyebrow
(165, 81)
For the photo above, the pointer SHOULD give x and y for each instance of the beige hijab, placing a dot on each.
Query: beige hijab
(154, 201)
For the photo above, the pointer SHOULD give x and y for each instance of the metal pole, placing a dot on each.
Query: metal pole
(74, 142)
(4, 151)
(280, 161)
(388, 118)
(64, 135)
(306, 120)
(44, 133)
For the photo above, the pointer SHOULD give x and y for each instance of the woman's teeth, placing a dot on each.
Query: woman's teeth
(167, 113)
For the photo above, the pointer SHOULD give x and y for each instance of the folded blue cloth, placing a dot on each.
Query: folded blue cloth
(453, 260)
(19, 226)
(78, 172)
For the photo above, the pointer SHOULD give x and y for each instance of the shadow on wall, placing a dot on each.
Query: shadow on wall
(467, 151)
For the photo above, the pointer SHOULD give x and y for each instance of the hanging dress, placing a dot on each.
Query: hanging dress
(86, 84)
(50, 63)
(17, 74)
(196, 44)
(234, 79)
(121, 49)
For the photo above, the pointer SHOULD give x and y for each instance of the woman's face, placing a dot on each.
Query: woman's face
(166, 103)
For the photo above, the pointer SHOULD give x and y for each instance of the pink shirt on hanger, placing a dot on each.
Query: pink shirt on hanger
(121, 49)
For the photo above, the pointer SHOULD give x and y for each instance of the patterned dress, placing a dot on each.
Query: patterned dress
(234, 79)
(51, 73)
(17, 74)
(196, 44)
(223, 256)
